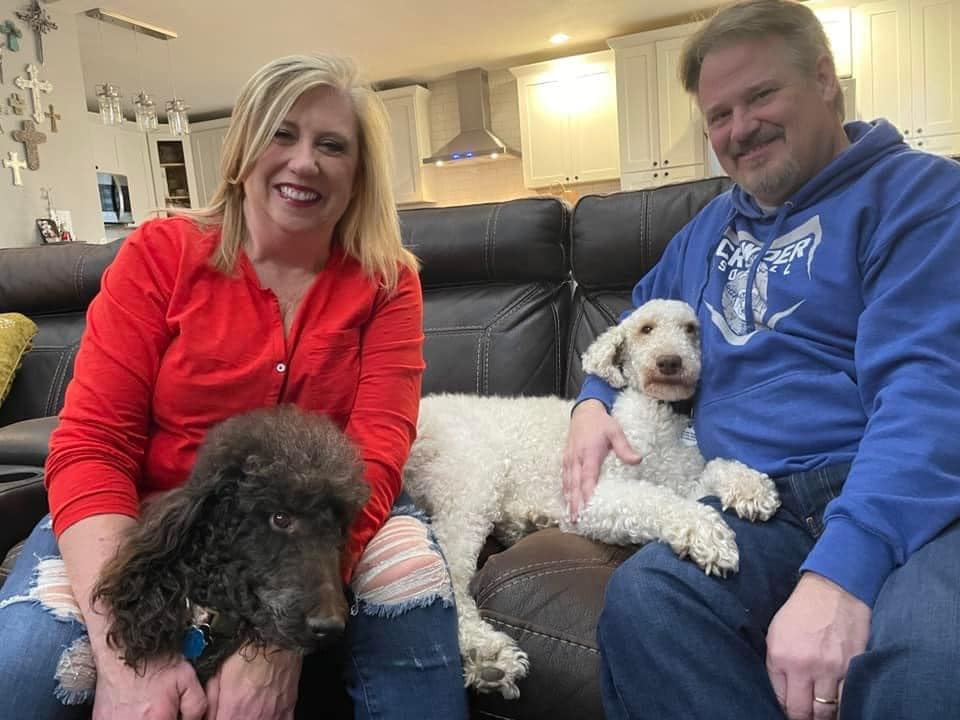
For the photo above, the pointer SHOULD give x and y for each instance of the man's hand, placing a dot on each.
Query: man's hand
(164, 691)
(261, 686)
(810, 643)
(592, 435)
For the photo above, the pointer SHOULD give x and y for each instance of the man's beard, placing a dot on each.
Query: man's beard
(767, 181)
(771, 182)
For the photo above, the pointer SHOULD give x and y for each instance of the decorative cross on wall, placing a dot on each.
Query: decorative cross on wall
(15, 164)
(31, 138)
(38, 20)
(1, 65)
(16, 103)
(54, 116)
(36, 86)
(10, 29)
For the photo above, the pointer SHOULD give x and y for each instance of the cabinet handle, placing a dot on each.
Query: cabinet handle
(656, 174)
(919, 131)
(576, 177)
(567, 178)
(920, 144)
(654, 163)
(906, 132)
(666, 162)
(665, 174)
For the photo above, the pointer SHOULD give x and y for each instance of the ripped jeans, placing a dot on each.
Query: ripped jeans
(400, 657)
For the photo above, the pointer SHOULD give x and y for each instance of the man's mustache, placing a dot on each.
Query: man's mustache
(759, 138)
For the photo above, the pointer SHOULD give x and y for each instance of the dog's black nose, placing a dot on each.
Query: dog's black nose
(324, 627)
(669, 364)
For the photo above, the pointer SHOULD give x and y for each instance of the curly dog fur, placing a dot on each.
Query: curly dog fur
(485, 465)
(255, 534)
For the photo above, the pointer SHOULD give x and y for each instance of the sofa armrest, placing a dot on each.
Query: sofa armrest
(546, 592)
(23, 501)
(26, 442)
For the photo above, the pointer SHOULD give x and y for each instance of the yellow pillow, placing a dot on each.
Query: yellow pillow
(16, 334)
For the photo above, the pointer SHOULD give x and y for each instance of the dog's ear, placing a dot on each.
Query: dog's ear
(145, 587)
(604, 357)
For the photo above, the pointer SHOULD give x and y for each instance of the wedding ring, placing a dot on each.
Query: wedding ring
(824, 701)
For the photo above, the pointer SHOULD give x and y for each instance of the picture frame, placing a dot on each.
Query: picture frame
(49, 232)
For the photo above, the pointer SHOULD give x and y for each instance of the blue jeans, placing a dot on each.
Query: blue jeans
(676, 644)
(403, 667)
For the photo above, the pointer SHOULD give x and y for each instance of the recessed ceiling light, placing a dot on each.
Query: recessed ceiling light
(559, 38)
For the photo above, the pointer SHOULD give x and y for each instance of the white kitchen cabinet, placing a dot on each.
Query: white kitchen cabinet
(123, 150)
(175, 180)
(660, 126)
(135, 164)
(568, 120)
(834, 16)
(104, 147)
(681, 126)
(409, 111)
(907, 62)
(206, 144)
(656, 178)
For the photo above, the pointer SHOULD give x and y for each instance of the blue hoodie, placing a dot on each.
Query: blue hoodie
(845, 349)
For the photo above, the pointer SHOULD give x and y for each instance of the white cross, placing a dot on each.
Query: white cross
(15, 164)
(35, 86)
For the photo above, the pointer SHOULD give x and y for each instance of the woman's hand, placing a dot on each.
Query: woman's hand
(164, 691)
(261, 686)
(809, 646)
(593, 433)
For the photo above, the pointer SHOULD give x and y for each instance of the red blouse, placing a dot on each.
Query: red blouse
(173, 346)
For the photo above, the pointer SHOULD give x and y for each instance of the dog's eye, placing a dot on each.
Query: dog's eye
(646, 329)
(281, 521)
(691, 329)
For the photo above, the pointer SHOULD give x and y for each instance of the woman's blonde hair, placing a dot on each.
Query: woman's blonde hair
(803, 36)
(369, 229)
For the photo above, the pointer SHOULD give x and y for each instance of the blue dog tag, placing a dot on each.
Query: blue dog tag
(194, 643)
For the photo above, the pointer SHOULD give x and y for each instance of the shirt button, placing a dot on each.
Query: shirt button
(281, 368)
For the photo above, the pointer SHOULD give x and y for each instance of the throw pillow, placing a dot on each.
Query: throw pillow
(16, 335)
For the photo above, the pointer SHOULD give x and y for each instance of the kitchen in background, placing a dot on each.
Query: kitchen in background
(591, 123)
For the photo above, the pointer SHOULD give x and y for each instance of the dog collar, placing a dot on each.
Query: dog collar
(205, 623)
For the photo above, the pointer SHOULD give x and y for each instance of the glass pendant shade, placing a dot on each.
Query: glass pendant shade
(177, 120)
(146, 111)
(108, 98)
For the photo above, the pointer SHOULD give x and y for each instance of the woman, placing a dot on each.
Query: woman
(293, 286)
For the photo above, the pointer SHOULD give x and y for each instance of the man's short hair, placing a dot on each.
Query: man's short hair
(800, 29)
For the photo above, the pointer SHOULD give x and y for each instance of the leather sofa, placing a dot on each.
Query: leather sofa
(513, 294)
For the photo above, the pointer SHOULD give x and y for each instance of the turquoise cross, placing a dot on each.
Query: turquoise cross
(13, 35)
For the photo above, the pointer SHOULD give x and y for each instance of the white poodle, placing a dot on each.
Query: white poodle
(485, 465)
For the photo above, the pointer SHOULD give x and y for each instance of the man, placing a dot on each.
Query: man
(826, 286)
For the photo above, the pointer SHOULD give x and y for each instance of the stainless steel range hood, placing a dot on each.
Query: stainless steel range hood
(475, 142)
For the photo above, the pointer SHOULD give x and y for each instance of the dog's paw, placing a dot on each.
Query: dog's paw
(495, 665)
(708, 541)
(750, 493)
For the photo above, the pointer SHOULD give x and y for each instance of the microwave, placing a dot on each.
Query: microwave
(114, 199)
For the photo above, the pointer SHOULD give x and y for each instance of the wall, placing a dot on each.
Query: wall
(498, 180)
(66, 159)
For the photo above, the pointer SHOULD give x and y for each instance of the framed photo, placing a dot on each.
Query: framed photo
(49, 232)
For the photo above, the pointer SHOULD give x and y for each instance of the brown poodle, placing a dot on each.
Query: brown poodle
(247, 552)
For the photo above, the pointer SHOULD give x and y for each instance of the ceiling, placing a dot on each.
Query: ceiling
(221, 42)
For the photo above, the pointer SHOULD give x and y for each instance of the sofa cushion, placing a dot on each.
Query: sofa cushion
(24, 501)
(496, 295)
(53, 284)
(27, 442)
(517, 241)
(16, 335)
(546, 592)
(615, 240)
